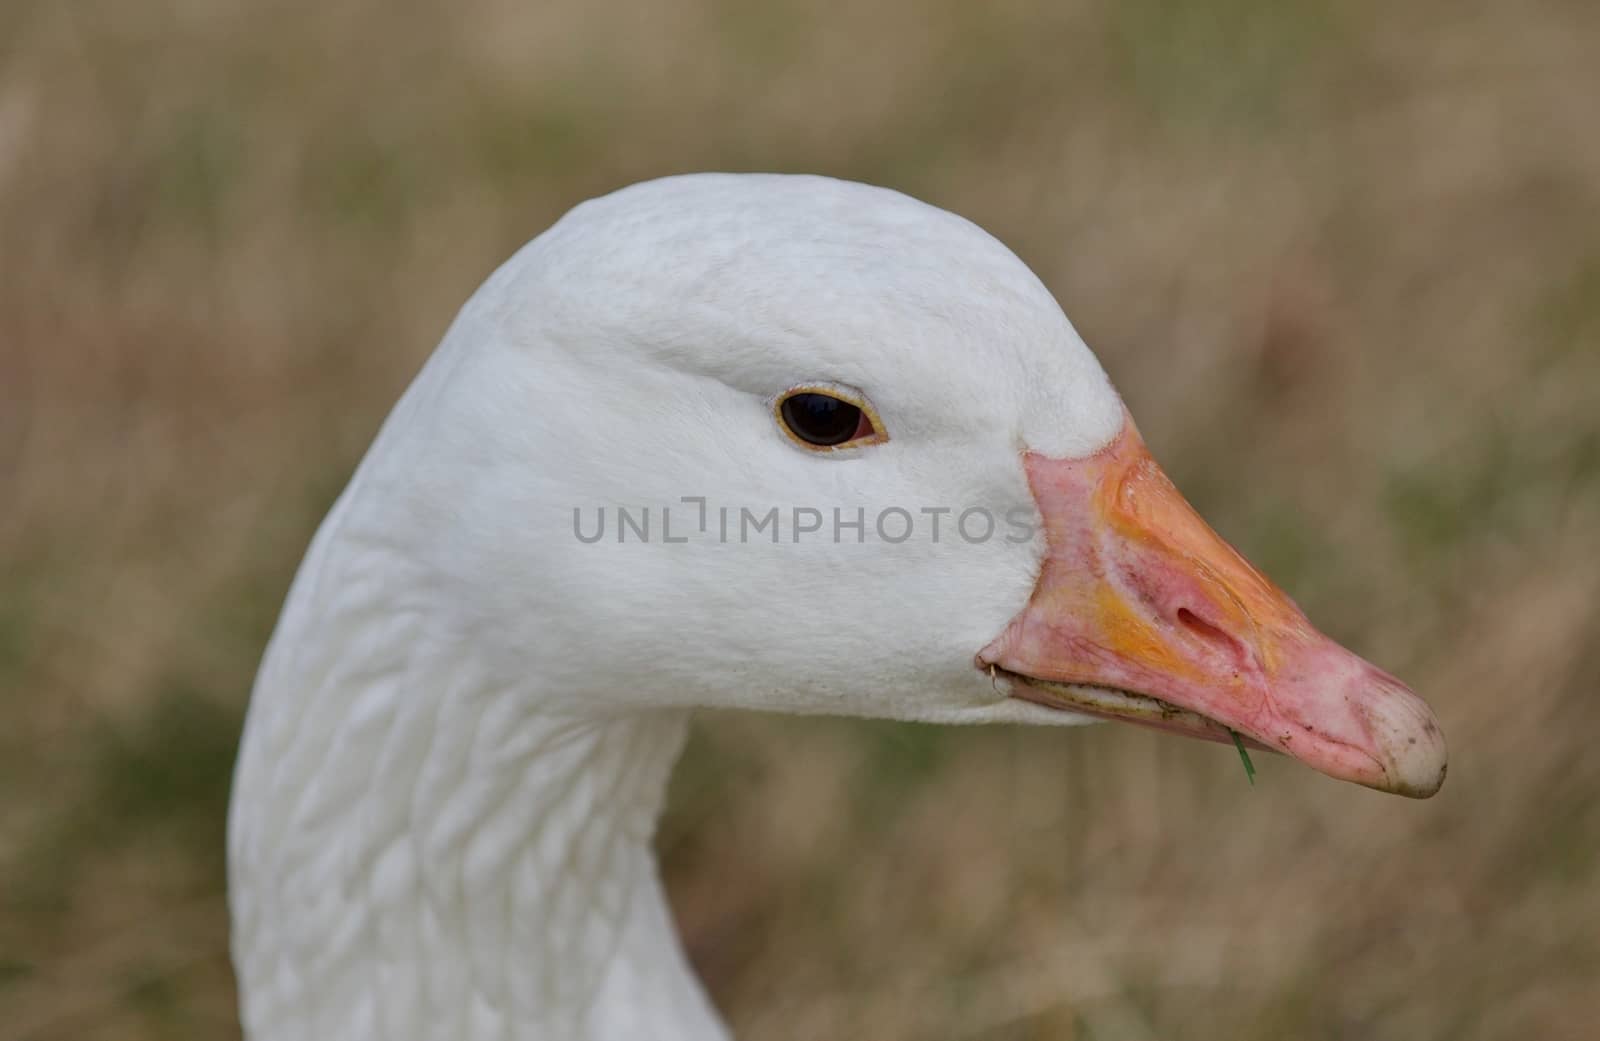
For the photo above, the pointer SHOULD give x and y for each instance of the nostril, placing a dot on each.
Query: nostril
(1206, 631)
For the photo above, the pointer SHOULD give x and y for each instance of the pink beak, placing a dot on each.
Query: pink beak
(1143, 613)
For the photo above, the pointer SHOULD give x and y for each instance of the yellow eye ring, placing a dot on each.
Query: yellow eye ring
(822, 417)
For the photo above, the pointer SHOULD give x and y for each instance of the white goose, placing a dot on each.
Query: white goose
(460, 737)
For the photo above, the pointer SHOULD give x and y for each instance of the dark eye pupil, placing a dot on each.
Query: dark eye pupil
(820, 419)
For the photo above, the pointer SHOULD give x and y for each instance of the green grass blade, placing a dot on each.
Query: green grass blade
(1244, 757)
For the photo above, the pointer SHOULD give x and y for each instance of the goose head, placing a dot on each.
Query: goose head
(793, 444)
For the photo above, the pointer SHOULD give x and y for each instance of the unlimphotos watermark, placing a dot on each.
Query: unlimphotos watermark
(794, 524)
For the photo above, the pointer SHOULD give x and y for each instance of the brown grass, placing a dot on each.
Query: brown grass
(1342, 258)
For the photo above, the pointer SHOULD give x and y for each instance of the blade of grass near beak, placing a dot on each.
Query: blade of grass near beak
(1244, 757)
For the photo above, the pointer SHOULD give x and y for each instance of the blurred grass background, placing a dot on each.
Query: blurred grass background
(1342, 258)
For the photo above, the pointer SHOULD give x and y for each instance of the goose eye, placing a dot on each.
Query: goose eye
(820, 419)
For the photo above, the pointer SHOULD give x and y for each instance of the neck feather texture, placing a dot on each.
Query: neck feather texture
(419, 849)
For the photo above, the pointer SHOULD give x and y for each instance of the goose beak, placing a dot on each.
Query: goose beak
(1143, 613)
